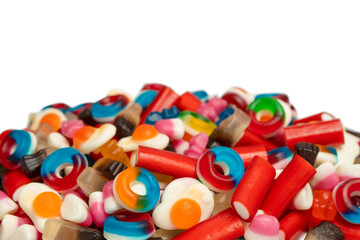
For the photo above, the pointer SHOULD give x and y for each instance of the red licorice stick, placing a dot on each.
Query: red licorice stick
(323, 132)
(165, 98)
(13, 180)
(188, 101)
(323, 116)
(257, 180)
(294, 224)
(153, 86)
(293, 178)
(224, 225)
(166, 162)
(351, 231)
(250, 138)
(247, 153)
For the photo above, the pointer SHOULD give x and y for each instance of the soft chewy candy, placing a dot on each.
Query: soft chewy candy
(189, 165)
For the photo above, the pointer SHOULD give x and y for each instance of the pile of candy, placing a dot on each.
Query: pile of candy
(190, 166)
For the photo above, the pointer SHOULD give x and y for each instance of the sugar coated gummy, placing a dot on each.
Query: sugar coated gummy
(168, 165)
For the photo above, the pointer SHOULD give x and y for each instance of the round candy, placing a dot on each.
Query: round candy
(145, 97)
(129, 225)
(88, 138)
(130, 199)
(144, 135)
(55, 163)
(184, 203)
(79, 108)
(50, 116)
(346, 197)
(196, 123)
(106, 109)
(61, 106)
(14, 144)
(267, 117)
(220, 158)
(40, 203)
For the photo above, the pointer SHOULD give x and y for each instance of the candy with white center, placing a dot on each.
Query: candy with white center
(184, 203)
(40, 203)
(110, 203)
(347, 171)
(144, 135)
(57, 140)
(26, 232)
(303, 199)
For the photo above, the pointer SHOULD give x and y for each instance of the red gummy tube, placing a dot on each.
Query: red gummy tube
(166, 162)
(257, 180)
(351, 231)
(250, 138)
(291, 180)
(323, 116)
(13, 180)
(224, 225)
(247, 153)
(188, 101)
(165, 98)
(323, 132)
(293, 225)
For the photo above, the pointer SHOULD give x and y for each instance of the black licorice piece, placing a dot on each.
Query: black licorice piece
(109, 168)
(31, 164)
(308, 151)
(325, 231)
(87, 118)
(124, 128)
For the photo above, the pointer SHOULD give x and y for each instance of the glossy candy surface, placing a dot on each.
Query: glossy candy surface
(55, 162)
(106, 109)
(228, 160)
(131, 200)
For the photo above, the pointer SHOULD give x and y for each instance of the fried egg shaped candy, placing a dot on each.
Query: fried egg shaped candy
(106, 109)
(56, 162)
(88, 138)
(324, 133)
(130, 199)
(40, 203)
(228, 160)
(51, 116)
(267, 117)
(57, 229)
(14, 144)
(263, 227)
(75, 210)
(9, 224)
(166, 162)
(184, 203)
(293, 178)
(7, 205)
(96, 205)
(224, 225)
(293, 224)
(144, 135)
(346, 197)
(257, 180)
(128, 225)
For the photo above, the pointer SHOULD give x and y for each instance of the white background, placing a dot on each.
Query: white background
(76, 51)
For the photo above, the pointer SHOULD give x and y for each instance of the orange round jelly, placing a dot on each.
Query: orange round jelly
(47, 205)
(53, 120)
(144, 132)
(185, 213)
(82, 134)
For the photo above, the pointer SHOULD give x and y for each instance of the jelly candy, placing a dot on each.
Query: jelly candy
(323, 206)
